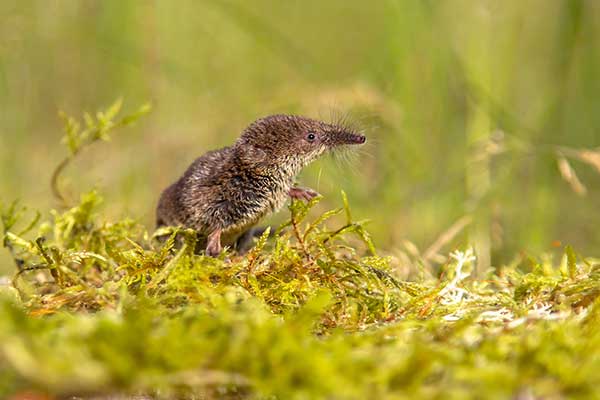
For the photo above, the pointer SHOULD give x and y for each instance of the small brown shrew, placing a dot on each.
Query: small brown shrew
(225, 192)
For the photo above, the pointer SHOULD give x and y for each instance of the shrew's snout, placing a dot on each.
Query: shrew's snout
(359, 139)
(349, 138)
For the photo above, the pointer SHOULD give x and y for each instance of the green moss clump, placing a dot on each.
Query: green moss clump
(98, 307)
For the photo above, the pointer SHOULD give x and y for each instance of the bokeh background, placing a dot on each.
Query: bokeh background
(470, 107)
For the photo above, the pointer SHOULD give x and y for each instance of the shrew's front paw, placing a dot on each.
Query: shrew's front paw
(300, 193)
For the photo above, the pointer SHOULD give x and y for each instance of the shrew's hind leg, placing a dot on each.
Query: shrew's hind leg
(213, 243)
(245, 242)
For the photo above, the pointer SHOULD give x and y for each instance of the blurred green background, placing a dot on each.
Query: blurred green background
(468, 106)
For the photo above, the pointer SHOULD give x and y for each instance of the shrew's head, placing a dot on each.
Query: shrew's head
(292, 139)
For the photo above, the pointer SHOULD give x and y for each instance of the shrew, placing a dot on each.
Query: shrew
(225, 192)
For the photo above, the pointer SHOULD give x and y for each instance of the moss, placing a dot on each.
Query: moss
(101, 307)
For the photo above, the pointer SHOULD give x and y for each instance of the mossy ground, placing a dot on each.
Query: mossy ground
(100, 307)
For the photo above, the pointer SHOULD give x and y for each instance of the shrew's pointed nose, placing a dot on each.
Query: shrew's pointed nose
(352, 138)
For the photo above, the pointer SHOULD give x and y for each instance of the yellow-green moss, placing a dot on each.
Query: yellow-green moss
(99, 307)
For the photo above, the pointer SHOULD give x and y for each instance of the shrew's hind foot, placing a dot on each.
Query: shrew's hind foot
(213, 243)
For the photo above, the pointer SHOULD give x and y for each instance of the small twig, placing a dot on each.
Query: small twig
(94, 131)
(54, 181)
(299, 235)
(56, 192)
(446, 237)
(337, 232)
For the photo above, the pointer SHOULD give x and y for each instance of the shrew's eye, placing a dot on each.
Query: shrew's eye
(311, 137)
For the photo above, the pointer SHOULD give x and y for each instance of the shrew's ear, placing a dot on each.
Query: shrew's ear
(252, 154)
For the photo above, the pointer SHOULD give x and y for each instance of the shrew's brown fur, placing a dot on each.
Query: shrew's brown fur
(226, 192)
